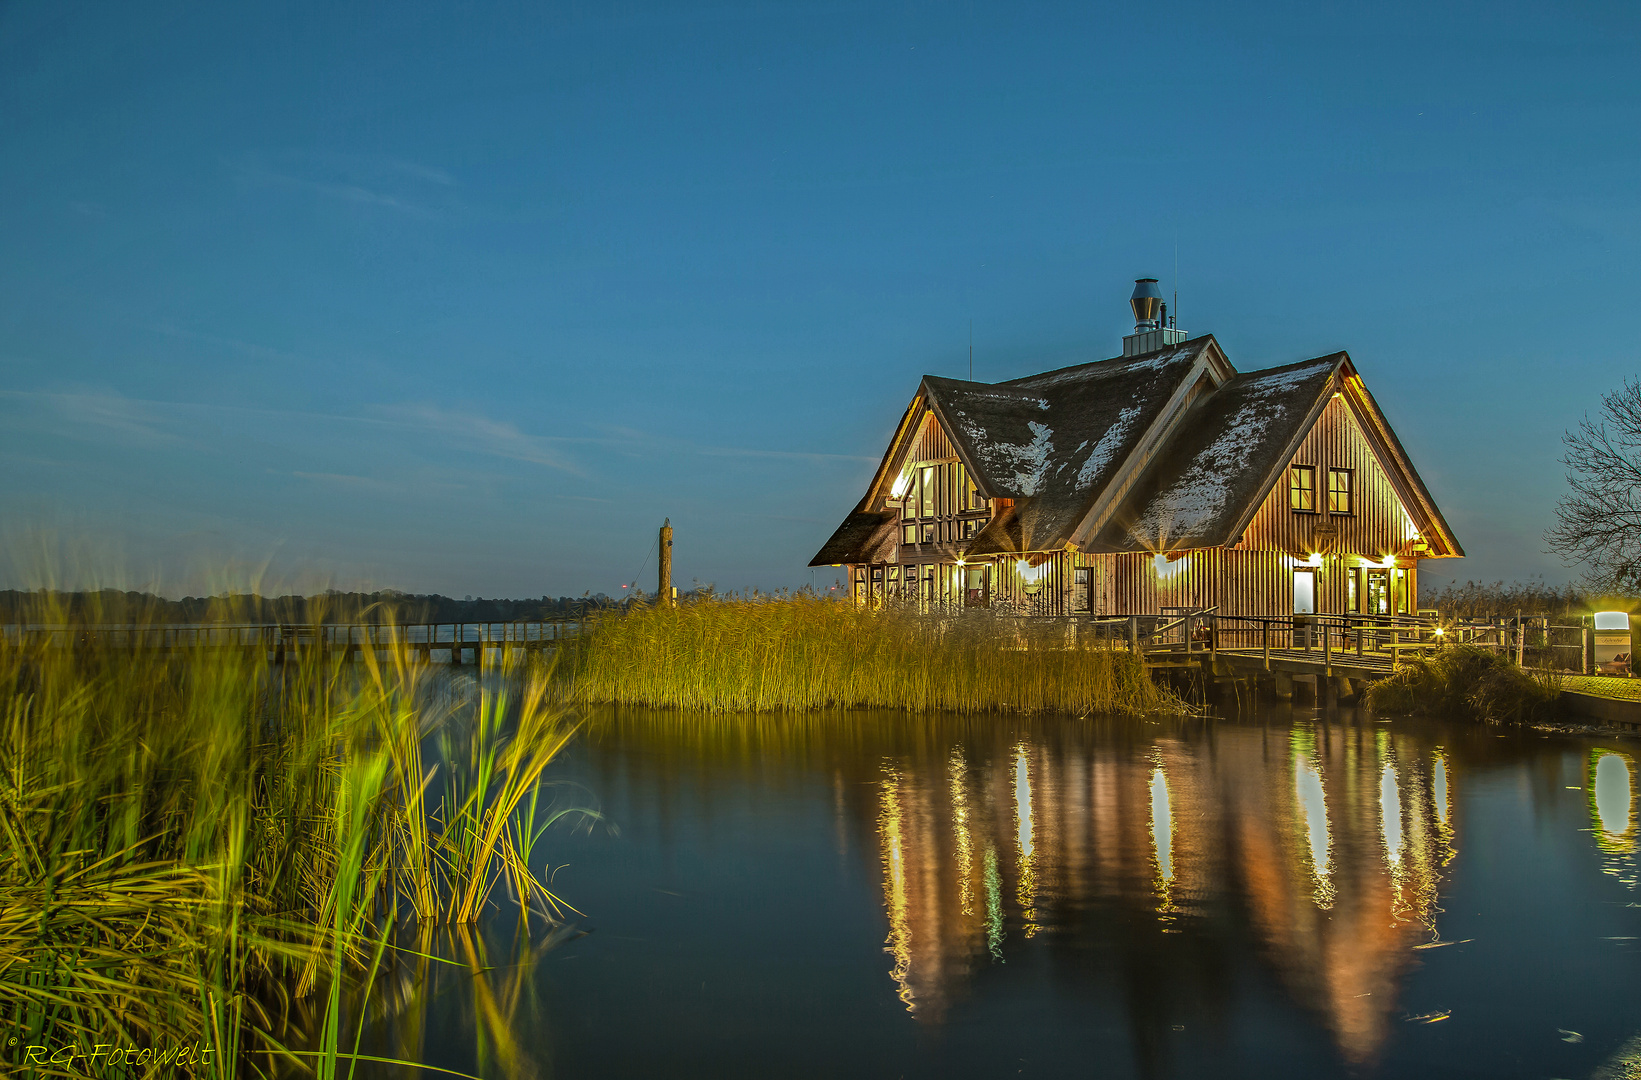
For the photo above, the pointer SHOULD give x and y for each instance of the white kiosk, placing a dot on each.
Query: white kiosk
(1612, 641)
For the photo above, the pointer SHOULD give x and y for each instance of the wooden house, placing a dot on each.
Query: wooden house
(1163, 478)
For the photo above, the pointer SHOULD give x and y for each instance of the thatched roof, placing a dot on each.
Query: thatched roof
(1166, 451)
(1219, 465)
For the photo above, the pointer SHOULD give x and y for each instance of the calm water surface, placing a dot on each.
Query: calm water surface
(1285, 894)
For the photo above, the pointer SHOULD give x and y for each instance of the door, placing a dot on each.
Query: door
(1304, 592)
(1378, 592)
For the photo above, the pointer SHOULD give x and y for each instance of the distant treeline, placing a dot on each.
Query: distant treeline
(1479, 599)
(115, 606)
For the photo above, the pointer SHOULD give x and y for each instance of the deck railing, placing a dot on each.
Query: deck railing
(1531, 641)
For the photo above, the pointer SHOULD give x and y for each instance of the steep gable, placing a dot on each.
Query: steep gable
(1052, 443)
(1221, 462)
(1229, 464)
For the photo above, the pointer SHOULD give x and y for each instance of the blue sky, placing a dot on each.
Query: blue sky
(467, 298)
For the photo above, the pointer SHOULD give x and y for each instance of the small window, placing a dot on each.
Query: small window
(972, 499)
(928, 533)
(1302, 488)
(1339, 493)
(925, 506)
(908, 534)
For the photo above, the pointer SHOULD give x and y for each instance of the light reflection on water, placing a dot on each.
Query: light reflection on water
(1275, 897)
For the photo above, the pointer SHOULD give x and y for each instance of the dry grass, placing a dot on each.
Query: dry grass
(190, 840)
(1467, 683)
(801, 652)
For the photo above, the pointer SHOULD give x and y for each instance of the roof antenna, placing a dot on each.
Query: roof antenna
(1174, 321)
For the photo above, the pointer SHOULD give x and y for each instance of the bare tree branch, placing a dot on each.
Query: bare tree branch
(1599, 523)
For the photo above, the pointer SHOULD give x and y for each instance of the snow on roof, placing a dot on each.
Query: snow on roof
(1052, 442)
(1199, 486)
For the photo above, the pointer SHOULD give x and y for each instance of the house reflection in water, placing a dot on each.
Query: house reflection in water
(1328, 840)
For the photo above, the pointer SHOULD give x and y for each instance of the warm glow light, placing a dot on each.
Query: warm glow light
(1162, 824)
(894, 889)
(1439, 632)
(1026, 889)
(1390, 810)
(1438, 786)
(1612, 794)
(1316, 558)
(902, 482)
(1307, 782)
(1167, 565)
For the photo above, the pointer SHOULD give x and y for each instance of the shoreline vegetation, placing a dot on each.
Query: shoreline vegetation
(1463, 682)
(201, 848)
(799, 652)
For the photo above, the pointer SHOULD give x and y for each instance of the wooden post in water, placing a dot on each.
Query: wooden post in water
(664, 591)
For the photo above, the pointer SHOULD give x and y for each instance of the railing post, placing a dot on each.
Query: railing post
(1134, 634)
(1265, 628)
(1327, 651)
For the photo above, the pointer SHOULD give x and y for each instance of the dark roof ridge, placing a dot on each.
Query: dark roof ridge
(1117, 363)
(1244, 376)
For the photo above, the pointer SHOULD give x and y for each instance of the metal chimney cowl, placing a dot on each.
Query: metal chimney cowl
(1147, 304)
(1151, 331)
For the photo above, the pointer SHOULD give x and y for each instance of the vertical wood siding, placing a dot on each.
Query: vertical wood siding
(931, 443)
(1255, 578)
(1376, 528)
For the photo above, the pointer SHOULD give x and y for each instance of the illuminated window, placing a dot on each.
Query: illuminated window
(1378, 592)
(1339, 482)
(1302, 488)
(972, 499)
(908, 534)
(925, 507)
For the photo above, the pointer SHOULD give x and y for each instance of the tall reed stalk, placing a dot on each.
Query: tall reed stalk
(193, 839)
(801, 652)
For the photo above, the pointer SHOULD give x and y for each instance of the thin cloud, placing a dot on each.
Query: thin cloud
(633, 438)
(106, 410)
(404, 187)
(351, 193)
(261, 352)
(347, 480)
(479, 434)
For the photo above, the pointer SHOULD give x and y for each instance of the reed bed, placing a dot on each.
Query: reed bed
(1464, 682)
(802, 652)
(194, 841)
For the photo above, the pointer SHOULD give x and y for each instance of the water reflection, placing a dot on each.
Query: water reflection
(1612, 788)
(1313, 803)
(1162, 839)
(1334, 848)
(1182, 898)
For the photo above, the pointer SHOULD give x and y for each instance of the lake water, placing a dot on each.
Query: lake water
(1288, 894)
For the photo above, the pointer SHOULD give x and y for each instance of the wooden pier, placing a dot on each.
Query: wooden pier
(453, 643)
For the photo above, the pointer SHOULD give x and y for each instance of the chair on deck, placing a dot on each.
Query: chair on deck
(1618, 665)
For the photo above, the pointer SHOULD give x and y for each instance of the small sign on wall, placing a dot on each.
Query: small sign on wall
(1612, 636)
